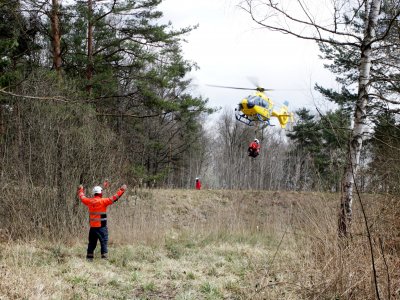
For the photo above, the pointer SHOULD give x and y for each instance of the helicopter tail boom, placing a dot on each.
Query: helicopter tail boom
(283, 115)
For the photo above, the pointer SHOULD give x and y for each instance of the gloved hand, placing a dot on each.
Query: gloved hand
(123, 187)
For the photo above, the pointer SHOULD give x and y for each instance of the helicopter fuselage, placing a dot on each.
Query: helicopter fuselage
(258, 108)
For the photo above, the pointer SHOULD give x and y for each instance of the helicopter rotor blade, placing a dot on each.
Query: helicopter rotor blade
(260, 89)
(254, 80)
(230, 87)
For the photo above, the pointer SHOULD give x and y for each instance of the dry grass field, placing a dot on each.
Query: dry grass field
(215, 244)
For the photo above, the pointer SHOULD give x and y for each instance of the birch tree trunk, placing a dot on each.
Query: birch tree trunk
(360, 126)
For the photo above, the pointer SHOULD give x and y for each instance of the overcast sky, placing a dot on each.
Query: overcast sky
(229, 48)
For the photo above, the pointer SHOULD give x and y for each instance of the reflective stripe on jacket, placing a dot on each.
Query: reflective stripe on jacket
(98, 207)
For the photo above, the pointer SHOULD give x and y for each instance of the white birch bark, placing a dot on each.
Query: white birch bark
(359, 129)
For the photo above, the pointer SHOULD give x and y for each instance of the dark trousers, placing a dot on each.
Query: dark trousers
(101, 234)
(253, 153)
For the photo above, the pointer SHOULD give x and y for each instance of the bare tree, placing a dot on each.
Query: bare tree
(56, 36)
(352, 24)
(89, 66)
(234, 169)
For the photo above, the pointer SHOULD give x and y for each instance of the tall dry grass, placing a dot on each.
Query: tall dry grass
(212, 244)
(150, 215)
(330, 267)
(301, 229)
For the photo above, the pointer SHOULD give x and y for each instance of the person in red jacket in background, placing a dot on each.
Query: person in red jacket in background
(98, 218)
(254, 148)
(198, 184)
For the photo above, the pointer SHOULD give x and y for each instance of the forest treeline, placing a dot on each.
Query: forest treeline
(107, 72)
(95, 90)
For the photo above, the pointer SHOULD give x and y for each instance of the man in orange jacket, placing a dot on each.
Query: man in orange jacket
(98, 218)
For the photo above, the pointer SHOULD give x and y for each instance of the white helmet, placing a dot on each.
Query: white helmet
(97, 190)
(256, 141)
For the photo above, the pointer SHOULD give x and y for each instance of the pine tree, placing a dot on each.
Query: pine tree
(17, 43)
(320, 144)
(384, 150)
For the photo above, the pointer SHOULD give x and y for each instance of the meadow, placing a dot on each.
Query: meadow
(216, 244)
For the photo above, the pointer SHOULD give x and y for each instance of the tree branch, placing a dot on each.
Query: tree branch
(309, 24)
(55, 98)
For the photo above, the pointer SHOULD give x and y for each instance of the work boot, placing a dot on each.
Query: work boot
(89, 257)
(104, 256)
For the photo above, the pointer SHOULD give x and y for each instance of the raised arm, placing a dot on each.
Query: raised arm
(118, 194)
(85, 200)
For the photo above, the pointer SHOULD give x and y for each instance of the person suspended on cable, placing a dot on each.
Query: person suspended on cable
(254, 148)
(97, 206)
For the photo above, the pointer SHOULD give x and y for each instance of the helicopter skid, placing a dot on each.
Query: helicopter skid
(246, 120)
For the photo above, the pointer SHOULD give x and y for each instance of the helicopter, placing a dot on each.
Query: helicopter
(258, 109)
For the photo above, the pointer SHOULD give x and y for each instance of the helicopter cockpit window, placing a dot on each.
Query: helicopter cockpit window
(262, 103)
(255, 100)
(251, 102)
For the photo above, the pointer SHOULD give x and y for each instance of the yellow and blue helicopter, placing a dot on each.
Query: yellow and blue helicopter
(258, 109)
